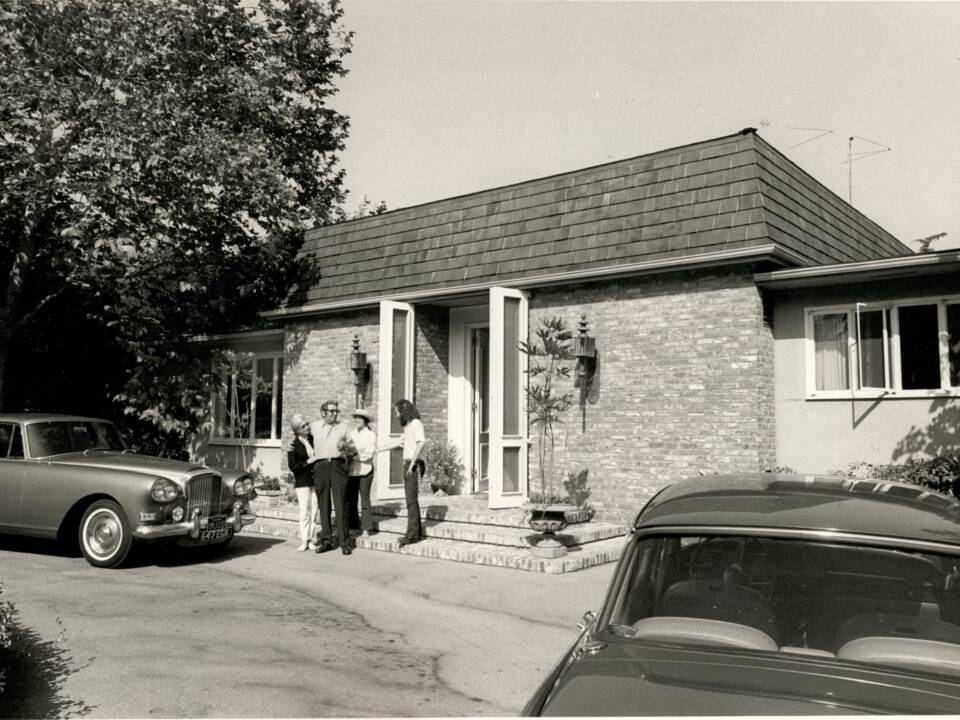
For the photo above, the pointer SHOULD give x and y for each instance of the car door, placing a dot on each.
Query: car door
(12, 472)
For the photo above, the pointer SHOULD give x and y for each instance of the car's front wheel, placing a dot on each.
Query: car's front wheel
(105, 536)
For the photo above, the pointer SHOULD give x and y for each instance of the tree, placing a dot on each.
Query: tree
(160, 160)
(926, 243)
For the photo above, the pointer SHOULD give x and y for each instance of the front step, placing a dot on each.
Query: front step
(460, 529)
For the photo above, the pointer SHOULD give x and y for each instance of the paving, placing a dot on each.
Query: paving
(464, 529)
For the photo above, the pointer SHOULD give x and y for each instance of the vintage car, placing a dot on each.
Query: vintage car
(69, 477)
(774, 594)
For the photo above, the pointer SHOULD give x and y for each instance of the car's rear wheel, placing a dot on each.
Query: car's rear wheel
(105, 536)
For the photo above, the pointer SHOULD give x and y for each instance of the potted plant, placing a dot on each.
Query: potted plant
(550, 360)
(444, 467)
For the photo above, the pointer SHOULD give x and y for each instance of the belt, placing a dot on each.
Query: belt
(336, 459)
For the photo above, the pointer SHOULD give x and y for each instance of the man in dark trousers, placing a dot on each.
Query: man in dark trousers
(330, 476)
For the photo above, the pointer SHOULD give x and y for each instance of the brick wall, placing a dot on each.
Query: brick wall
(317, 365)
(432, 367)
(684, 383)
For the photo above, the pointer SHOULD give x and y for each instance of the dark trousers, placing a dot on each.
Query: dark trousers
(353, 497)
(364, 485)
(330, 482)
(411, 491)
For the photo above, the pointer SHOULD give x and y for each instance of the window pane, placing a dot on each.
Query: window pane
(398, 374)
(830, 351)
(953, 335)
(919, 348)
(511, 367)
(278, 429)
(6, 431)
(16, 445)
(873, 372)
(511, 470)
(264, 420)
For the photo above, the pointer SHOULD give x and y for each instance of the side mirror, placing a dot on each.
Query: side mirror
(589, 617)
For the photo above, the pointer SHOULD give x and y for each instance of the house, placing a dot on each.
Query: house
(726, 290)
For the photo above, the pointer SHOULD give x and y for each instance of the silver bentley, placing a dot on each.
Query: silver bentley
(72, 478)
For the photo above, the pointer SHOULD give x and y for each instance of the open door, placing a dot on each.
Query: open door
(508, 415)
(395, 383)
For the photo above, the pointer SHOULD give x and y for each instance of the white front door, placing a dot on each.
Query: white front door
(480, 408)
(395, 383)
(507, 411)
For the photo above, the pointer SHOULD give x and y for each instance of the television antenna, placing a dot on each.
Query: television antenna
(872, 148)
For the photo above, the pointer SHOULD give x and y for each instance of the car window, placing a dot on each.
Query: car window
(6, 432)
(814, 598)
(16, 444)
(61, 437)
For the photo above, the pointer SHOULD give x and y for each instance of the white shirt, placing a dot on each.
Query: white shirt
(366, 443)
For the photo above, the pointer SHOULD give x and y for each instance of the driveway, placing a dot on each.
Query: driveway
(261, 630)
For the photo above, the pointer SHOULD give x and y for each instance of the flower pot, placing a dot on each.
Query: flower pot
(548, 521)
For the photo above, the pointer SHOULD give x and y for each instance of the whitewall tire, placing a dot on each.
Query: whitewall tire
(105, 536)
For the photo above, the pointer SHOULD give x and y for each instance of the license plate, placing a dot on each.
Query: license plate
(216, 530)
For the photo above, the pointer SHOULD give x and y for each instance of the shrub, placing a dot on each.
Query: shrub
(6, 635)
(444, 465)
(941, 473)
(576, 487)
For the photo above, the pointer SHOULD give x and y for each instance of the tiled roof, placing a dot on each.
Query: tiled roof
(734, 192)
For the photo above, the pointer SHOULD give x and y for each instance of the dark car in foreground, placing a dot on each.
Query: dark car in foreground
(67, 477)
(774, 594)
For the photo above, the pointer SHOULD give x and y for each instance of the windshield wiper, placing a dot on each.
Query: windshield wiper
(98, 447)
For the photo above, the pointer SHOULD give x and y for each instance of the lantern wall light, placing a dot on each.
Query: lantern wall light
(361, 371)
(585, 350)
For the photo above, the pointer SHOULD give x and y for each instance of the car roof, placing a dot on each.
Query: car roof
(807, 502)
(28, 417)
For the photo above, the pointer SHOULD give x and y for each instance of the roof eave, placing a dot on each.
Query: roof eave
(865, 271)
(760, 253)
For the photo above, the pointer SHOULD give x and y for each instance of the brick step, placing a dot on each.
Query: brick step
(577, 558)
(441, 543)
(577, 534)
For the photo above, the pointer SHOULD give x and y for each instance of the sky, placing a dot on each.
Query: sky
(451, 97)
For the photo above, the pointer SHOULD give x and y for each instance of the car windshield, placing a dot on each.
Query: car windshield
(854, 603)
(67, 436)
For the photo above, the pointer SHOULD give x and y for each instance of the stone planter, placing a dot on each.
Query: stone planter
(270, 498)
(547, 520)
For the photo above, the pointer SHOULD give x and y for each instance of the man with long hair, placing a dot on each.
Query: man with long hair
(412, 441)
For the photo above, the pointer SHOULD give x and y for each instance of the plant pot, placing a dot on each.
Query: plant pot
(548, 521)
(270, 498)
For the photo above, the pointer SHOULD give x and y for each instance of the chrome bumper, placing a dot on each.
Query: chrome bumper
(236, 518)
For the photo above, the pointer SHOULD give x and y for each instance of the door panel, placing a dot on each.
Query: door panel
(395, 383)
(508, 417)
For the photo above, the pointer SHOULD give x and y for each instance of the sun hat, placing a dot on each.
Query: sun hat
(365, 414)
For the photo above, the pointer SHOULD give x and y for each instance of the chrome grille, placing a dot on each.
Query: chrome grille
(203, 494)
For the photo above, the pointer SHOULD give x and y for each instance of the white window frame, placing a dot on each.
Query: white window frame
(892, 357)
(217, 403)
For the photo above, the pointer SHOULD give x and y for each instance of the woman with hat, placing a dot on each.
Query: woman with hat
(360, 470)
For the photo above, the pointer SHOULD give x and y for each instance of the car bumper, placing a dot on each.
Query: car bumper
(236, 519)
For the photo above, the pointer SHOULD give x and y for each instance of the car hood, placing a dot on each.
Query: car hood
(681, 681)
(129, 462)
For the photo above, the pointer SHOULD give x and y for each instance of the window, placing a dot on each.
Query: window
(899, 347)
(248, 403)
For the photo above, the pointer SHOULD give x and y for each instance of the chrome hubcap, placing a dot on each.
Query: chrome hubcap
(103, 534)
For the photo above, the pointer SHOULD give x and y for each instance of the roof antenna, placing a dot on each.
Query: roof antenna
(852, 157)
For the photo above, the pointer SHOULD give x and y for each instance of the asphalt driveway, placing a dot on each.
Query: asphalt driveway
(264, 631)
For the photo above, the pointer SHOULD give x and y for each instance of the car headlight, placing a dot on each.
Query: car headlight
(164, 490)
(242, 485)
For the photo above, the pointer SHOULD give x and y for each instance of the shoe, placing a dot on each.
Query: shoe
(312, 545)
(324, 546)
(346, 550)
(303, 547)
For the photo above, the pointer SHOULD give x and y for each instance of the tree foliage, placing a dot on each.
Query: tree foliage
(549, 363)
(160, 160)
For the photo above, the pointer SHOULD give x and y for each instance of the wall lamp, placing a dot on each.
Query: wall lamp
(585, 350)
(361, 371)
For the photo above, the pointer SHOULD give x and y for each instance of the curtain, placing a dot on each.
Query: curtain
(830, 351)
